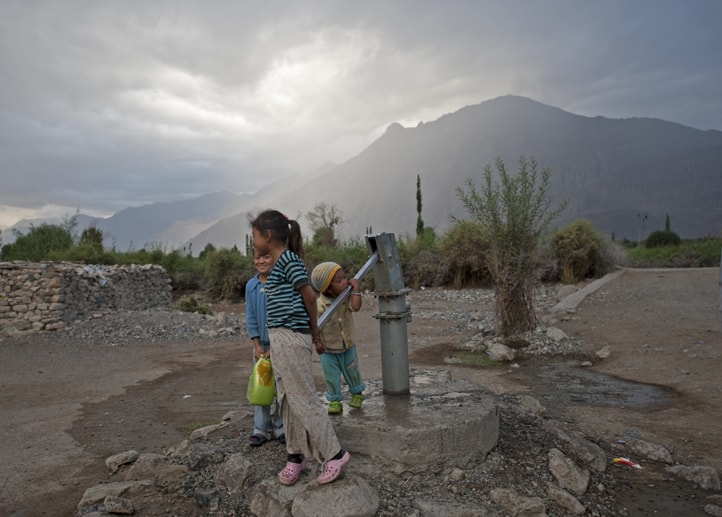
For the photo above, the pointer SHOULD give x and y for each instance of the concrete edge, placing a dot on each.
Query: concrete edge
(573, 300)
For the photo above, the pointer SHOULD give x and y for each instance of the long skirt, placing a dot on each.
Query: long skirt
(309, 430)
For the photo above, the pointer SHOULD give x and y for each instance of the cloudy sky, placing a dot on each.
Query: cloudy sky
(109, 104)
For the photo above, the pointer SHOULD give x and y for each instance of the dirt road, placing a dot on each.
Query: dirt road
(66, 408)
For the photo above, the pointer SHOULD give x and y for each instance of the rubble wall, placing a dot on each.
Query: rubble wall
(51, 295)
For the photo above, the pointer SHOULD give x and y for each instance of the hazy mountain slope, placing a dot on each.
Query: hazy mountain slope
(609, 170)
(167, 224)
(625, 175)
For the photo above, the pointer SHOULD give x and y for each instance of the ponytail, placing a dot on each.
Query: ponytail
(286, 230)
(295, 240)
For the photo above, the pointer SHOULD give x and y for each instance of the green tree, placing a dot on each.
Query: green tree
(666, 224)
(38, 244)
(419, 220)
(325, 220)
(92, 236)
(515, 214)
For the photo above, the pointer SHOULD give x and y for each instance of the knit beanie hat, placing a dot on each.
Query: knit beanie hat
(322, 275)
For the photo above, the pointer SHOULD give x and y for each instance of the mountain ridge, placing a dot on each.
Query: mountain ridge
(624, 175)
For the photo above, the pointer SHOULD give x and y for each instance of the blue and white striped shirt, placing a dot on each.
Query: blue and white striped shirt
(284, 304)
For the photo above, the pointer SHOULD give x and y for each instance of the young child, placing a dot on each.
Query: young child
(266, 423)
(340, 357)
(292, 329)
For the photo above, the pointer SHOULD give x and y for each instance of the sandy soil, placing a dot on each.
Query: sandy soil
(66, 408)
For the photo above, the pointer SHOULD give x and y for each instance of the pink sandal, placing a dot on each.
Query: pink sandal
(332, 469)
(291, 472)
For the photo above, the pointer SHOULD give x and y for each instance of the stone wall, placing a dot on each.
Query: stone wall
(51, 295)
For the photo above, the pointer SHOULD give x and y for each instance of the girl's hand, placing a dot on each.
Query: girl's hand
(318, 344)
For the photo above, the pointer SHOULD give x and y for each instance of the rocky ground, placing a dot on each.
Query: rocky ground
(145, 380)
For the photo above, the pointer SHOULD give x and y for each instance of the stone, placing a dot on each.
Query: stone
(574, 443)
(203, 433)
(565, 500)
(349, 496)
(650, 451)
(518, 505)
(500, 352)
(706, 477)
(156, 467)
(98, 493)
(118, 505)
(457, 475)
(233, 473)
(713, 510)
(557, 334)
(272, 499)
(532, 405)
(429, 508)
(567, 473)
(603, 352)
(201, 455)
(114, 462)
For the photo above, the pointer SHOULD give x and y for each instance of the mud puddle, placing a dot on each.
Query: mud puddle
(569, 383)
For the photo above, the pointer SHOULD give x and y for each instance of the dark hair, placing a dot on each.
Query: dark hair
(282, 228)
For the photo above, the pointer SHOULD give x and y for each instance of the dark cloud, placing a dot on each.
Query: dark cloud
(107, 105)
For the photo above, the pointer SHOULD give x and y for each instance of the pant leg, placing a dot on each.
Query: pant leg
(309, 430)
(331, 366)
(276, 420)
(351, 371)
(262, 421)
(262, 424)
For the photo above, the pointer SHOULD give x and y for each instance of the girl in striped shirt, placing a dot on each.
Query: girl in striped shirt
(292, 330)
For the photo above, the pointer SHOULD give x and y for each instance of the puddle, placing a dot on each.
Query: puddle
(555, 384)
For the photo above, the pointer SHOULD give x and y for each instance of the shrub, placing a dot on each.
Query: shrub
(425, 268)
(38, 244)
(580, 251)
(515, 210)
(190, 304)
(228, 272)
(464, 251)
(662, 238)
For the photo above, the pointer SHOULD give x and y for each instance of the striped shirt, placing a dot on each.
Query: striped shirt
(284, 304)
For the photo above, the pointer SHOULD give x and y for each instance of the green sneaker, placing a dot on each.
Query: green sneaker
(356, 400)
(335, 407)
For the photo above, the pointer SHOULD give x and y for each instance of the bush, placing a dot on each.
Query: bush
(425, 268)
(662, 238)
(580, 251)
(190, 304)
(228, 272)
(38, 244)
(464, 251)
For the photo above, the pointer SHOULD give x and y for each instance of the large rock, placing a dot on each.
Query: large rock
(567, 473)
(706, 477)
(349, 496)
(577, 445)
(518, 505)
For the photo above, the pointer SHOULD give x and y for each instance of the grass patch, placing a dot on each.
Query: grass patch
(189, 428)
(477, 359)
(691, 253)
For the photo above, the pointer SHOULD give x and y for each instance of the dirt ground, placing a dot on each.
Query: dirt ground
(66, 408)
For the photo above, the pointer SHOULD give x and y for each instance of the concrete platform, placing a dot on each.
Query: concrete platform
(441, 420)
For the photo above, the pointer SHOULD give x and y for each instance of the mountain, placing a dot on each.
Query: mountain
(624, 175)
